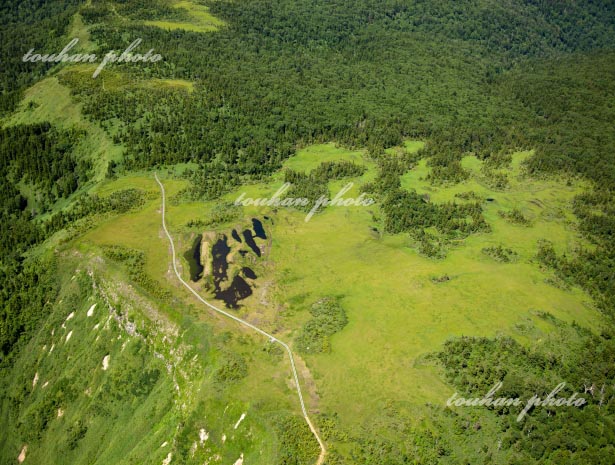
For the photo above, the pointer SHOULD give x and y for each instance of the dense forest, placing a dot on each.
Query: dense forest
(546, 434)
(34, 24)
(258, 94)
(533, 75)
(39, 156)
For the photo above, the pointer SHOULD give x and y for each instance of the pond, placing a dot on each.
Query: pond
(259, 231)
(249, 273)
(219, 252)
(249, 238)
(193, 257)
(235, 235)
(238, 290)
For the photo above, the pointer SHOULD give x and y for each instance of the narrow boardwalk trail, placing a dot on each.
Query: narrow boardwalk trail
(323, 450)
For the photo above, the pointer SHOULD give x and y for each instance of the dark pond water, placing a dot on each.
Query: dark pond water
(235, 235)
(249, 272)
(238, 290)
(219, 252)
(247, 236)
(259, 231)
(193, 256)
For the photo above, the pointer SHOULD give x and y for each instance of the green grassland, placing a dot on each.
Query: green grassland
(397, 309)
(200, 19)
(187, 15)
(139, 230)
(113, 80)
(80, 31)
(76, 411)
(160, 388)
(267, 383)
(396, 313)
(311, 156)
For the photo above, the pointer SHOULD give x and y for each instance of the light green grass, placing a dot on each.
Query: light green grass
(112, 80)
(308, 158)
(267, 383)
(80, 31)
(123, 426)
(181, 84)
(413, 145)
(171, 25)
(396, 312)
(201, 20)
(409, 146)
(115, 428)
(139, 230)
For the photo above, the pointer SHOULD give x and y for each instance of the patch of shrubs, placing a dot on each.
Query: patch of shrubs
(445, 167)
(223, 212)
(514, 216)
(313, 186)
(134, 260)
(297, 444)
(305, 186)
(440, 279)
(86, 205)
(430, 245)
(496, 180)
(75, 433)
(469, 195)
(501, 254)
(409, 211)
(232, 368)
(328, 318)
(337, 170)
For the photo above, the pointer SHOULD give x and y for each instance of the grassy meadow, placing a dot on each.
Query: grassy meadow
(398, 311)
(117, 376)
(199, 18)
